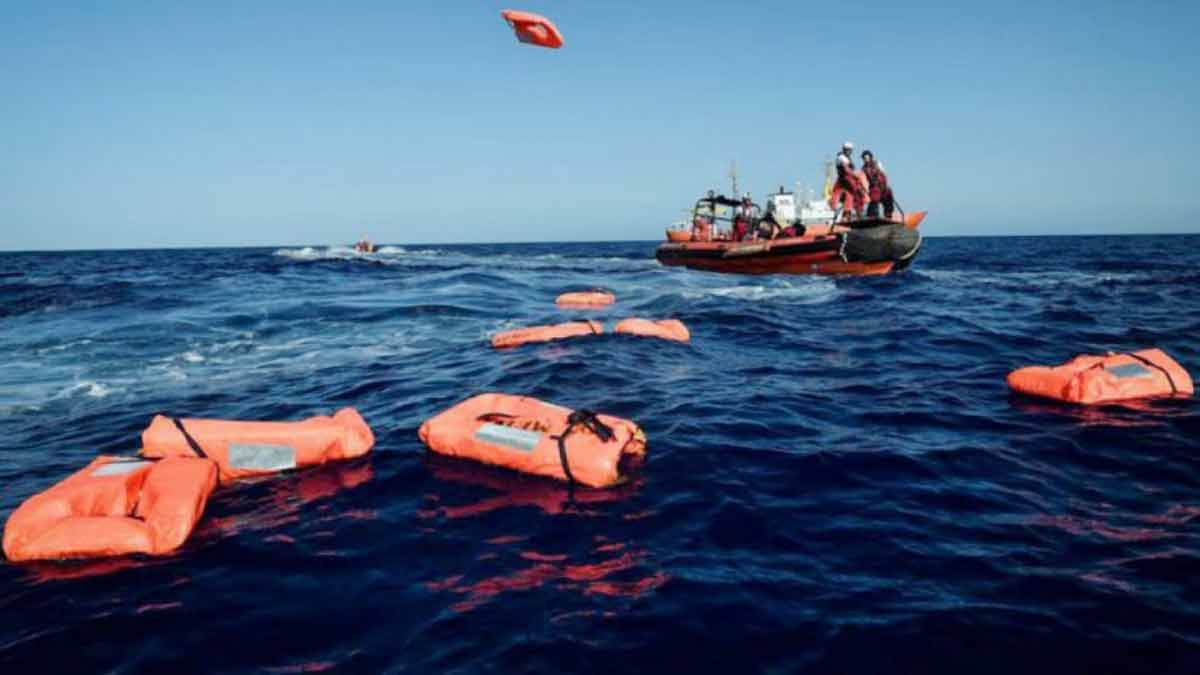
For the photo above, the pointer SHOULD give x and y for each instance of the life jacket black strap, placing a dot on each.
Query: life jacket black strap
(588, 420)
(195, 446)
(579, 418)
(495, 417)
(1148, 362)
(562, 457)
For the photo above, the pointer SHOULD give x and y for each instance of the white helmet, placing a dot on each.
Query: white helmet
(847, 145)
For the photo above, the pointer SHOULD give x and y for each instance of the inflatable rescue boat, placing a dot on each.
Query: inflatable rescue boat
(868, 246)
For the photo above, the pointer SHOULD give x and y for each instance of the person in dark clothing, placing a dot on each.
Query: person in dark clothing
(880, 193)
(769, 228)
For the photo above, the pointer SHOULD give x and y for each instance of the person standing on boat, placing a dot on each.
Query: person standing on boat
(848, 188)
(743, 218)
(880, 191)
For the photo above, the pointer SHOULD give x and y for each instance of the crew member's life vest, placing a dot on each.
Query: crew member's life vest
(877, 181)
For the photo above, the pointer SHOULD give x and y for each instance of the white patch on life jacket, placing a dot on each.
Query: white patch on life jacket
(509, 437)
(261, 456)
(1129, 370)
(120, 468)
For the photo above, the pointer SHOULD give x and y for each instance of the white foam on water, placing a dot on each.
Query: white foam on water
(1037, 279)
(64, 346)
(306, 253)
(18, 408)
(814, 292)
(192, 357)
(89, 388)
(310, 253)
(174, 374)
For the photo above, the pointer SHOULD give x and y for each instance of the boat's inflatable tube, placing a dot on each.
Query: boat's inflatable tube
(667, 329)
(1090, 380)
(880, 244)
(585, 299)
(527, 435)
(254, 448)
(113, 506)
(533, 334)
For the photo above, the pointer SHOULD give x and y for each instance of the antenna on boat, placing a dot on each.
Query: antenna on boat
(733, 177)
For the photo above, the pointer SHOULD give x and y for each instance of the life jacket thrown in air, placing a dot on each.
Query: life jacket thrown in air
(535, 334)
(530, 436)
(1090, 380)
(666, 329)
(113, 506)
(585, 299)
(533, 29)
(253, 448)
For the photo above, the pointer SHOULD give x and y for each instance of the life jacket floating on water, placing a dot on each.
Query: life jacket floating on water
(1090, 380)
(255, 448)
(666, 329)
(585, 299)
(113, 506)
(534, 334)
(530, 436)
(533, 29)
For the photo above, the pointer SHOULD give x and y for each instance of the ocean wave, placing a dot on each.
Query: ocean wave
(834, 465)
(1040, 279)
(312, 253)
(90, 389)
(813, 292)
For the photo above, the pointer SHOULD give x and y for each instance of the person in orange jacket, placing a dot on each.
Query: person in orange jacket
(852, 192)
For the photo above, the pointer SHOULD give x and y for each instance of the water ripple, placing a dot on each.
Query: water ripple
(838, 479)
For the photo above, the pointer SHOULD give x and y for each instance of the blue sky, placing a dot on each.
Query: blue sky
(141, 124)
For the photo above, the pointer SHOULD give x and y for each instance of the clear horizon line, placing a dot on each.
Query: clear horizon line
(201, 247)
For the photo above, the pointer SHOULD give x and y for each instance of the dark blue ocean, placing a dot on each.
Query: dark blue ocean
(838, 478)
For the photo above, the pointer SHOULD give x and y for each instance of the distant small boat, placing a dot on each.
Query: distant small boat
(365, 246)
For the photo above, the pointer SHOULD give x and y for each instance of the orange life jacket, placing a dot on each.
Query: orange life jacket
(113, 506)
(1092, 380)
(535, 334)
(534, 437)
(256, 448)
(666, 329)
